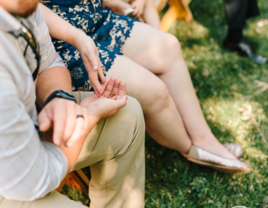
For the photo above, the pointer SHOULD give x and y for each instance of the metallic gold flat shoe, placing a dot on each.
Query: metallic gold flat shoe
(202, 157)
(235, 149)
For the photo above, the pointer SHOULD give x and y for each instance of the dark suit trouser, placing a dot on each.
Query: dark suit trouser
(238, 11)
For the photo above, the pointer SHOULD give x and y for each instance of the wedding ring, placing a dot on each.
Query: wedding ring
(80, 116)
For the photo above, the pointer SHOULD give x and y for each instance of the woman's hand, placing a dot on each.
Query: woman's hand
(90, 56)
(138, 6)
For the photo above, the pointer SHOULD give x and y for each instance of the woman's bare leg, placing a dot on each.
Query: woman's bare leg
(163, 121)
(160, 53)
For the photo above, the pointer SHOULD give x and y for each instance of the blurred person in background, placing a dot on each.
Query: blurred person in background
(237, 12)
(144, 10)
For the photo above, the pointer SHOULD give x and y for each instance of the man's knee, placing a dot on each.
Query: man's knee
(132, 120)
(133, 112)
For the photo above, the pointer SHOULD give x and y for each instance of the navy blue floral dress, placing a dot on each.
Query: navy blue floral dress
(108, 30)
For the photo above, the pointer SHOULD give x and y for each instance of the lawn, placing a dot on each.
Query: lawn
(233, 93)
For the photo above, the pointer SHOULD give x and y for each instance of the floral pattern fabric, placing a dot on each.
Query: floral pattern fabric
(108, 30)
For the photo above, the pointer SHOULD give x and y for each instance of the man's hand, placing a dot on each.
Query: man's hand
(114, 87)
(90, 56)
(114, 98)
(61, 114)
(138, 6)
(103, 107)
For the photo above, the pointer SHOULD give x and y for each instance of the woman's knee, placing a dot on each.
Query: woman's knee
(170, 51)
(172, 45)
(156, 98)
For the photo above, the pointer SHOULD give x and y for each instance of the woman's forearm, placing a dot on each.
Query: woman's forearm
(59, 28)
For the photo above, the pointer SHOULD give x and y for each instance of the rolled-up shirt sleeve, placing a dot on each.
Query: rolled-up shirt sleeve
(29, 168)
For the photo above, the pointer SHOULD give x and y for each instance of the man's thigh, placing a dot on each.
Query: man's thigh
(52, 200)
(110, 137)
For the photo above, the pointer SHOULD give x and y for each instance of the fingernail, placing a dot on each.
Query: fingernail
(70, 144)
(95, 67)
(57, 141)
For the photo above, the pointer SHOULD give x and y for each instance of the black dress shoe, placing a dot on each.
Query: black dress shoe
(244, 48)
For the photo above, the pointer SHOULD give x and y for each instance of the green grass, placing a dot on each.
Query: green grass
(229, 90)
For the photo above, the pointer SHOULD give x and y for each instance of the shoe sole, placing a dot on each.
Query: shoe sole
(221, 168)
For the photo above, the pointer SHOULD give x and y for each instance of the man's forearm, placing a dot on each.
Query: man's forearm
(58, 78)
(55, 78)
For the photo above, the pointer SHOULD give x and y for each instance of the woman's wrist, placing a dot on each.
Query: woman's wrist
(77, 38)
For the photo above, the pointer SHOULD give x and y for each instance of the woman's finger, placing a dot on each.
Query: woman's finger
(97, 86)
(93, 59)
(101, 75)
(93, 74)
(115, 88)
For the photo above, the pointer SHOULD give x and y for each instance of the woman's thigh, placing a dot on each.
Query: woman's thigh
(151, 48)
(141, 84)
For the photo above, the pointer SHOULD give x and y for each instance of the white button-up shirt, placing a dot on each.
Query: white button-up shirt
(29, 168)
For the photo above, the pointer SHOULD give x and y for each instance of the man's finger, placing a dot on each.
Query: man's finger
(121, 101)
(79, 129)
(70, 120)
(59, 121)
(44, 121)
(115, 88)
(104, 85)
(122, 88)
(109, 88)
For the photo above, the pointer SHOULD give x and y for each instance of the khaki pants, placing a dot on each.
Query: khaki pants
(114, 150)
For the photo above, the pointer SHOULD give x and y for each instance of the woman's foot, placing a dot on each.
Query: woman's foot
(213, 146)
(202, 157)
(235, 149)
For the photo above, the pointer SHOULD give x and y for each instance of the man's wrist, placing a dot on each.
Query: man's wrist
(59, 94)
(93, 114)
